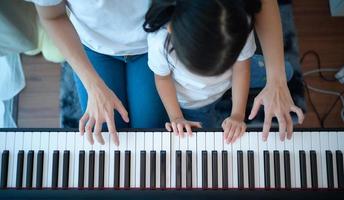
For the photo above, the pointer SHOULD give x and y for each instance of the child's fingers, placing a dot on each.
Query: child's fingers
(237, 134)
(181, 129)
(188, 129)
(175, 129)
(227, 127)
(168, 127)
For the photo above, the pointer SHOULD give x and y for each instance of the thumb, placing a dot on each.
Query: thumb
(256, 105)
(122, 111)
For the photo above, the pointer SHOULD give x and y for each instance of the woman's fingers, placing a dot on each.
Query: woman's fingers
(89, 127)
(98, 132)
(266, 126)
(255, 108)
(82, 123)
(188, 129)
(180, 128)
(168, 127)
(282, 123)
(237, 133)
(122, 111)
(196, 124)
(299, 113)
(175, 129)
(110, 121)
(289, 127)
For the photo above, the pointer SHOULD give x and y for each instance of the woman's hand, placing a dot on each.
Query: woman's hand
(179, 124)
(234, 127)
(100, 109)
(278, 103)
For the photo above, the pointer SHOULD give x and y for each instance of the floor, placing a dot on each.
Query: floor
(317, 30)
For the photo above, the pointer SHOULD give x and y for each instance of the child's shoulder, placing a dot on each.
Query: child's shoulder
(158, 37)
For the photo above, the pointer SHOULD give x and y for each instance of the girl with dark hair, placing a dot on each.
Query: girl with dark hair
(198, 50)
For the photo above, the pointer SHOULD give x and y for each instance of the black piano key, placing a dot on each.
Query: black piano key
(20, 169)
(303, 168)
(178, 169)
(142, 169)
(101, 169)
(65, 171)
(267, 169)
(240, 166)
(116, 169)
(189, 169)
(277, 169)
(4, 168)
(152, 169)
(39, 173)
(214, 170)
(250, 161)
(91, 164)
(163, 169)
(314, 169)
(329, 168)
(127, 169)
(81, 173)
(224, 169)
(29, 168)
(204, 169)
(340, 169)
(287, 173)
(55, 171)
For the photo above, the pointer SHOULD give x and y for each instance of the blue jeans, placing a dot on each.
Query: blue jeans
(130, 78)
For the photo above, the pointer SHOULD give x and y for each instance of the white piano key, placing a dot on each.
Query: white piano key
(122, 147)
(192, 146)
(70, 146)
(315, 137)
(10, 138)
(62, 139)
(79, 146)
(140, 146)
(2, 143)
(254, 142)
(333, 141)
(88, 147)
(210, 145)
(175, 146)
(280, 147)
(289, 146)
(297, 147)
(106, 148)
(26, 147)
(132, 148)
(157, 149)
(307, 145)
(36, 142)
(228, 148)
(324, 146)
(183, 148)
(245, 146)
(201, 138)
(166, 144)
(219, 142)
(97, 147)
(271, 147)
(341, 141)
(236, 148)
(19, 139)
(45, 147)
(262, 145)
(53, 145)
(149, 144)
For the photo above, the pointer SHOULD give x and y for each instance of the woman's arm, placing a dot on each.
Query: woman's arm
(101, 100)
(234, 126)
(275, 96)
(167, 92)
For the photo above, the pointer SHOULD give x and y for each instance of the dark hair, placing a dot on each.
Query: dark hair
(207, 35)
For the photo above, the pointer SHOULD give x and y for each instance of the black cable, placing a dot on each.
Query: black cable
(313, 106)
(331, 108)
(317, 57)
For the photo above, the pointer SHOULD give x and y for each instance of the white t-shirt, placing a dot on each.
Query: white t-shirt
(193, 91)
(111, 27)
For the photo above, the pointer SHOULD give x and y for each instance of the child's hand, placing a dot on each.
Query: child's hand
(179, 124)
(234, 127)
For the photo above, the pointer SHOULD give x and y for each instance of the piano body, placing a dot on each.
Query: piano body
(155, 164)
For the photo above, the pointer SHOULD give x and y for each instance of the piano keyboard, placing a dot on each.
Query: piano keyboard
(153, 160)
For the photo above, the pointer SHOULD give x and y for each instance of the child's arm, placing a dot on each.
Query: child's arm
(167, 92)
(234, 126)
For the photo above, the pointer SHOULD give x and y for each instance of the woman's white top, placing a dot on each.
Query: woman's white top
(111, 27)
(193, 91)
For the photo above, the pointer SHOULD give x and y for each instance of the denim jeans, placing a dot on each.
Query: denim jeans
(130, 78)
